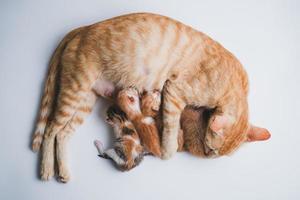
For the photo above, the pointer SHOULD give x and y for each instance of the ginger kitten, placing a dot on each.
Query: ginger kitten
(129, 102)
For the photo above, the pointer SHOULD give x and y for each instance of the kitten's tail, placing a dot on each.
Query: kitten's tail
(50, 91)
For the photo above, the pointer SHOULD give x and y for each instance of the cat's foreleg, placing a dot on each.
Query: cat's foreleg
(173, 106)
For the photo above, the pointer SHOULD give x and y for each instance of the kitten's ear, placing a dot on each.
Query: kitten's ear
(257, 134)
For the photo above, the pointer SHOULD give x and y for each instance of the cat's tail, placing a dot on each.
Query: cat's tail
(50, 91)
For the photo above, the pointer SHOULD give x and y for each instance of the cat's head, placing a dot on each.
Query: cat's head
(228, 140)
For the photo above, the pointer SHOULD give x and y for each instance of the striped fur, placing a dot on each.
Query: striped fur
(148, 52)
(194, 135)
(50, 92)
(128, 151)
(129, 102)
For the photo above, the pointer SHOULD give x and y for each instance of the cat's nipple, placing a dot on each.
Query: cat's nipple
(174, 77)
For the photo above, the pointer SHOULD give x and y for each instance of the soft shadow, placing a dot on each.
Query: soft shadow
(103, 105)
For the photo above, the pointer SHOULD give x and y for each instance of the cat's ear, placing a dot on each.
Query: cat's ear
(257, 134)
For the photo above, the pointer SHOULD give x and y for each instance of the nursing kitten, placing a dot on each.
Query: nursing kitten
(193, 135)
(150, 106)
(129, 102)
(148, 52)
(197, 140)
(127, 152)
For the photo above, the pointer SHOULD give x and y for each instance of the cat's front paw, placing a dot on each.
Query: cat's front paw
(169, 149)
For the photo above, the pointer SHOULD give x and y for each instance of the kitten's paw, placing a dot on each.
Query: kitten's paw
(36, 142)
(99, 145)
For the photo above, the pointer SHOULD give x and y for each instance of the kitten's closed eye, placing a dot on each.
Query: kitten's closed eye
(120, 152)
(131, 99)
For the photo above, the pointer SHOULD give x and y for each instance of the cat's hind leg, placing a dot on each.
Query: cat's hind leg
(62, 137)
(68, 103)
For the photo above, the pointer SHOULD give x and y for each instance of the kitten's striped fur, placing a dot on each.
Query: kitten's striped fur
(128, 151)
(129, 102)
(148, 52)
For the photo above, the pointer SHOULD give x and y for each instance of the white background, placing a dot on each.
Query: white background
(264, 35)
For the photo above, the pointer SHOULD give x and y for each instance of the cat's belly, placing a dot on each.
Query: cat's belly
(142, 50)
(142, 79)
(145, 79)
(145, 61)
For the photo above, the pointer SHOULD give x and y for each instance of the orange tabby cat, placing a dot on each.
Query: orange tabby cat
(148, 52)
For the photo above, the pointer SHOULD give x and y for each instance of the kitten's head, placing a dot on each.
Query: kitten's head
(129, 102)
(115, 116)
(151, 103)
(212, 143)
(130, 151)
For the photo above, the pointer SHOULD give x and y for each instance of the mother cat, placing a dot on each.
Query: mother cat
(148, 52)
